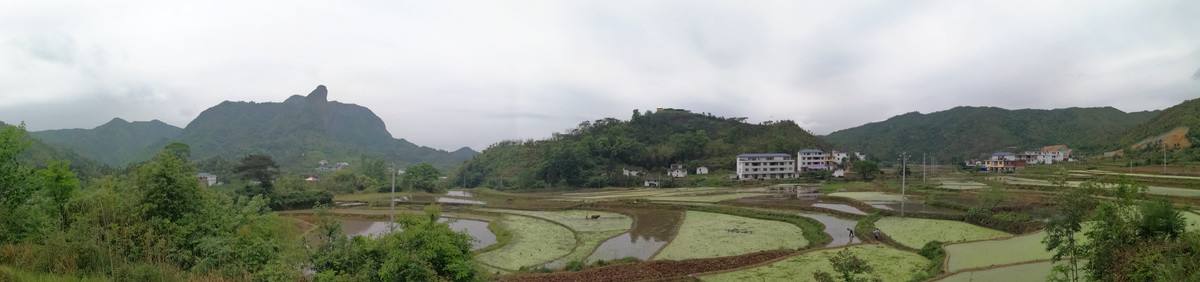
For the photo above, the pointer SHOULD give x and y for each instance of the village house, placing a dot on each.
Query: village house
(1003, 162)
(206, 179)
(677, 171)
(765, 166)
(650, 183)
(632, 171)
(702, 170)
(813, 159)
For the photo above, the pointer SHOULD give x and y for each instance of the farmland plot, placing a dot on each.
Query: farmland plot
(578, 220)
(889, 265)
(534, 242)
(709, 235)
(915, 232)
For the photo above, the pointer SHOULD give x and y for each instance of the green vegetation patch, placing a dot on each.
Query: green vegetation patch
(710, 235)
(1036, 271)
(997, 252)
(915, 232)
(960, 184)
(870, 197)
(588, 242)
(706, 198)
(889, 265)
(1192, 219)
(534, 242)
(578, 220)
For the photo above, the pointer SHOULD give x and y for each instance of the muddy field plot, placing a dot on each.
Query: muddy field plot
(709, 235)
(915, 232)
(889, 265)
(535, 241)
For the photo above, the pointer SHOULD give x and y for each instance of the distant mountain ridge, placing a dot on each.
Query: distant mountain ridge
(115, 143)
(40, 153)
(303, 130)
(973, 132)
(593, 154)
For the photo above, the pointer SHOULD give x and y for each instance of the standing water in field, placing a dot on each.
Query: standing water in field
(482, 237)
(835, 227)
(458, 193)
(840, 207)
(652, 229)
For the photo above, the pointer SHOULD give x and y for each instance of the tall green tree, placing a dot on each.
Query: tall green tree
(59, 185)
(14, 176)
(170, 188)
(866, 169)
(261, 168)
(421, 177)
(1074, 208)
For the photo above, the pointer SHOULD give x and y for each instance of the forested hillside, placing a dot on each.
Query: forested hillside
(973, 132)
(301, 131)
(1184, 114)
(593, 154)
(1178, 118)
(39, 154)
(116, 143)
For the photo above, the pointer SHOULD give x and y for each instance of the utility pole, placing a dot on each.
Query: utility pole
(922, 167)
(392, 221)
(903, 179)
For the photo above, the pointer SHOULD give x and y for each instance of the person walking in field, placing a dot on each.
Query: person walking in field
(876, 234)
(851, 234)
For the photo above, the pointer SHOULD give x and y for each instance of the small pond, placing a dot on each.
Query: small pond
(475, 228)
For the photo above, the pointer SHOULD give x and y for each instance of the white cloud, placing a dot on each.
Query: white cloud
(470, 73)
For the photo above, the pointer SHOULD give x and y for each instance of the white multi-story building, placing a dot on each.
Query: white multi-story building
(765, 166)
(839, 156)
(812, 159)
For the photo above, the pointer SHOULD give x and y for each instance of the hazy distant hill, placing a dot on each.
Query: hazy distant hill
(593, 154)
(303, 130)
(116, 143)
(972, 132)
(1185, 114)
(39, 154)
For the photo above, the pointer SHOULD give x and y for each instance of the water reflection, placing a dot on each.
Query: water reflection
(459, 193)
(651, 230)
(475, 228)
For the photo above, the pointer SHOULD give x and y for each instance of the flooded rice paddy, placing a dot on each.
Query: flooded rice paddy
(476, 229)
(435, 199)
(840, 207)
(652, 229)
(835, 227)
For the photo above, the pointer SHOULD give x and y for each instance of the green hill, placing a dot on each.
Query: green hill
(973, 132)
(1185, 114)
(116, 143)
(593, 154)
(301, 131)
(39, 154)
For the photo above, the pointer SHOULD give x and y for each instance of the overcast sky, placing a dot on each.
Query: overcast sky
(448, 74)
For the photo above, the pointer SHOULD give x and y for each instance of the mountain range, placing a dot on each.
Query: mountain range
(976, 132)
(297, 133)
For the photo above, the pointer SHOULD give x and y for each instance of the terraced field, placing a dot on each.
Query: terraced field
(535, 241)
(710, 235)
(997, 252)
(959, 184)
(1036, 271)
(915, 232)
(578, 220)
(871, 197)
(1153, 190)
(889, 265)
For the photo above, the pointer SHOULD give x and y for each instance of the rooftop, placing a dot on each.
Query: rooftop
(1003, 154)
(763, 155)
(811, 151)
